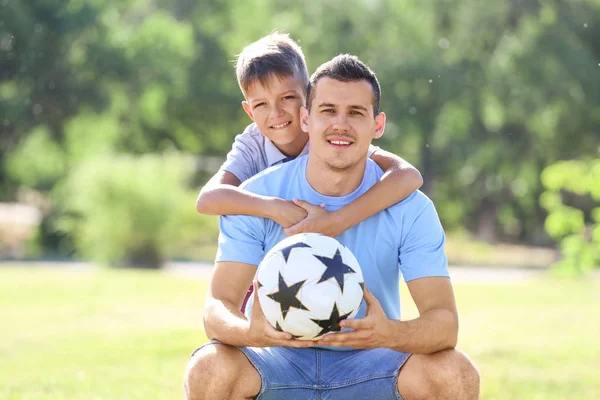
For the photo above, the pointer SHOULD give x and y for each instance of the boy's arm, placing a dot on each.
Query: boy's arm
(222, 196)
(399, 180)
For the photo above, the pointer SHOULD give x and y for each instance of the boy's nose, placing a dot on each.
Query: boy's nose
(277, 111)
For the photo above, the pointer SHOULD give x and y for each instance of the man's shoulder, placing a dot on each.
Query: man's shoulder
(413, 205)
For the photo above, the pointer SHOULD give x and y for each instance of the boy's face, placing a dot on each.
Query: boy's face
(341, 124)
(275, 107)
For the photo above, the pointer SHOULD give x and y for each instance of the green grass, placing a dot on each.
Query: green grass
(117, 334)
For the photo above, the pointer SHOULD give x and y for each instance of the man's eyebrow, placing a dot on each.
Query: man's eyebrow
(358, 107)
(327, 105)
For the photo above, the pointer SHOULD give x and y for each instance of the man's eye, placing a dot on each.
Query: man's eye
(328, 110)
(357, 113)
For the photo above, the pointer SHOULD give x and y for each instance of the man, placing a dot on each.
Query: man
(381, 357)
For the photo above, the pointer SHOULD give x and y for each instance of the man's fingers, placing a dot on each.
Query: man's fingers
(372, 302)
(357, 324)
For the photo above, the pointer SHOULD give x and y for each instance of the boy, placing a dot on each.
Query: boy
(273, 78)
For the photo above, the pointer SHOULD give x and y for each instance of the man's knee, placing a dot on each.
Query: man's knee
(448, 374)
(458, 375)
(214, 366)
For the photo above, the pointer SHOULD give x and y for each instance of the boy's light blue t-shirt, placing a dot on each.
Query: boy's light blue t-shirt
(252, 153)
(406, 239)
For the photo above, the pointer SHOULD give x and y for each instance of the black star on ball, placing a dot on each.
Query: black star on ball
(335, 269)
(287, 250)
(287, 296)
(333, 323)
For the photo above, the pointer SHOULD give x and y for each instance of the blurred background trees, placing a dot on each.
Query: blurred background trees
(95, 95)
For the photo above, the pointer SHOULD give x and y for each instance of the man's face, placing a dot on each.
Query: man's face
(275, 107)
(341, 124)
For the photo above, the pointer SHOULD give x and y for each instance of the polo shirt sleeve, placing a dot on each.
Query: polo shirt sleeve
(422, 252)
(241, 159)
(241, 239)
(372, 149)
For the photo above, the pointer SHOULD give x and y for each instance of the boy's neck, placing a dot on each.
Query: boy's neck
(294, 148)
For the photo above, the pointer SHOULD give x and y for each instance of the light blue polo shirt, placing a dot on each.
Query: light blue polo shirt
(252, 153)
(406, 239)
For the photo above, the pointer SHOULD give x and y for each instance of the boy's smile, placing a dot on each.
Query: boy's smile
(274, 106)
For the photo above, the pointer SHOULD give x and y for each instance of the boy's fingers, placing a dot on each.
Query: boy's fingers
(305, 204)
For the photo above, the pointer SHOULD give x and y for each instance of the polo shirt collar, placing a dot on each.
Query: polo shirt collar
(275, 156)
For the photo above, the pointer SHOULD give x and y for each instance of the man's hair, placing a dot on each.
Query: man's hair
(275, 54)
(345, 68)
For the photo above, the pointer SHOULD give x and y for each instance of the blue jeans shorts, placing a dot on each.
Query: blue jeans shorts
(323, 374)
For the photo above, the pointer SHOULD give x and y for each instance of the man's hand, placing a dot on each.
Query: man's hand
(375, 330)
(262, 333)
(318, 220)
(286, 213)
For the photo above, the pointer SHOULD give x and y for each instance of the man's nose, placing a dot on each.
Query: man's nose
(340, 122)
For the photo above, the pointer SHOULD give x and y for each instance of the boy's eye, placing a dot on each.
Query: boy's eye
(258, 105)
(289, 97)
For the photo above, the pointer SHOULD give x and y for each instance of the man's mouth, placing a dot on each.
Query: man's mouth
(340, 142)
(282, 125)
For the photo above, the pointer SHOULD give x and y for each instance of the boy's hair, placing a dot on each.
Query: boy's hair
(345, 68)
(276, 54)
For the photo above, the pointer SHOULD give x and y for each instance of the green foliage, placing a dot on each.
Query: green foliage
(579, 236)
(480, 97)
(132, 210)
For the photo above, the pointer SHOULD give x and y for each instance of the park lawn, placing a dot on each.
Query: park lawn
(123, 335)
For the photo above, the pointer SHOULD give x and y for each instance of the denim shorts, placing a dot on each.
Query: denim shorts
(323, 374)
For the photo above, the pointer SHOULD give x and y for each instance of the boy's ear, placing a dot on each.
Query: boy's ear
(304, 119)
(379, 125)
(248, 110)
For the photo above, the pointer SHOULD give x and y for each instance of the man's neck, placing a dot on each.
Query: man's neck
(331, 182)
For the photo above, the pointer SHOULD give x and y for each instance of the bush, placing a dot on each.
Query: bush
(576, 227)
(133, 210)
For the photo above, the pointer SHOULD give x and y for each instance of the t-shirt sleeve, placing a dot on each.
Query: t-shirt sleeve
(422, 252)
(372, 149)
(241, 159)
(241, 239)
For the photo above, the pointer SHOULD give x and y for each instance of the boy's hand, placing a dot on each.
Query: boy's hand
(286, 213)
(318, 220)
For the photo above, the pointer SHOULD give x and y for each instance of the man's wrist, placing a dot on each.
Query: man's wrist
(396, 335)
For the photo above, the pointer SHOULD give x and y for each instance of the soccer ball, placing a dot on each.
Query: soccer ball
(307, 284)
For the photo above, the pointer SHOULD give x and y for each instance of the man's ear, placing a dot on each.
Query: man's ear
(379, 125)
(304, 119)
(248, 110)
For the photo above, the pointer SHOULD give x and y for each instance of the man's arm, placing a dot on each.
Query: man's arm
(222, 196)
(223, 319)
(434, 330)
(399, 180)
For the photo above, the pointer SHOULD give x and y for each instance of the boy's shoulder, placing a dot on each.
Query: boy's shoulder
(251, 135)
